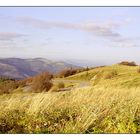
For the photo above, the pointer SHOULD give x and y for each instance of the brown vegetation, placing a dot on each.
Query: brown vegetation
(138, 70)
(38, 83)
(67, 72)
(60, 85)
(111, 74)
(128, 63)
(8, 87)
(57, 87)
(42, 82)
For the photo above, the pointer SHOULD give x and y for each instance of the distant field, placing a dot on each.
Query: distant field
(109, 102)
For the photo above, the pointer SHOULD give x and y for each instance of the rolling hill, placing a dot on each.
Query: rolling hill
(22, 68)
(101, 100)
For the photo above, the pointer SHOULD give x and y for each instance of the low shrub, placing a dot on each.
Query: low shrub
(22, 83)
(42, 82)
(4, 78)
(138, 70)
(60, 85)
(128, 63)
(8, 86)
(67, 72)
(57, 87)
(111, 74)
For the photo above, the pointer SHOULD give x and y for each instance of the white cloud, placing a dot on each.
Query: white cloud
(6, 36)
(106, 30)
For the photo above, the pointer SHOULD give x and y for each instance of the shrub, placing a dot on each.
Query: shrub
(8, 86)
(111, 74)
(138, 70)
(22, 83)
(4, 78)
(58, 86)
(67, 72)
(128, 63)
(42, 82)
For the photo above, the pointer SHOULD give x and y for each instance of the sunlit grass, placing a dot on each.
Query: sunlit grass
(109, 106)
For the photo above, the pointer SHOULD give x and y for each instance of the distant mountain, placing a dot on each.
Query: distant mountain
(22, 68)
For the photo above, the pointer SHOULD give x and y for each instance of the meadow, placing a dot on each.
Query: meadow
(108, 103)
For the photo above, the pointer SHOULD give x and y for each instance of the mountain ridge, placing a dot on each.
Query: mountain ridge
(20, 68)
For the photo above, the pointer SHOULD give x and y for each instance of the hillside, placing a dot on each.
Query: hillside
(22, 68)
(101, 100)
(115, 76)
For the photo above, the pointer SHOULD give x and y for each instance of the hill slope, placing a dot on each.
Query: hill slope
(115, 75)
(110, 104)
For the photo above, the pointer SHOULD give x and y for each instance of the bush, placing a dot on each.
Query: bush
(128, 63)
(5, 79)
(138, 70)
(58, 86)
(67, 72)
(22, 83)
(42, 82)
(8, 86)
(111, 74)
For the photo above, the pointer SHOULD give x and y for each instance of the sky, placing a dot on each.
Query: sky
(80, 35)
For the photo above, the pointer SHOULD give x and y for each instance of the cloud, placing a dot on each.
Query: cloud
(97, 29)
(106, 30)
(8, 36)
(41, 24)
(101, 30)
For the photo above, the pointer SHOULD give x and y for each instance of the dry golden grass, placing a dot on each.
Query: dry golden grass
(109, 106)
(86, 110)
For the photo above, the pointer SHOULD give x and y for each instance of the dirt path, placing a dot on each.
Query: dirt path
(72, 84)
(79, 83)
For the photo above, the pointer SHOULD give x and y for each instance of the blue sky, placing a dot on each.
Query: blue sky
(84, 35)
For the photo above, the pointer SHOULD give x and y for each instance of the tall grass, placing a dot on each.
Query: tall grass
(109, 105)
(85, 110)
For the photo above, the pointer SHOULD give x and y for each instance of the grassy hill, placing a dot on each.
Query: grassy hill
(115, 75)
(109, 104)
